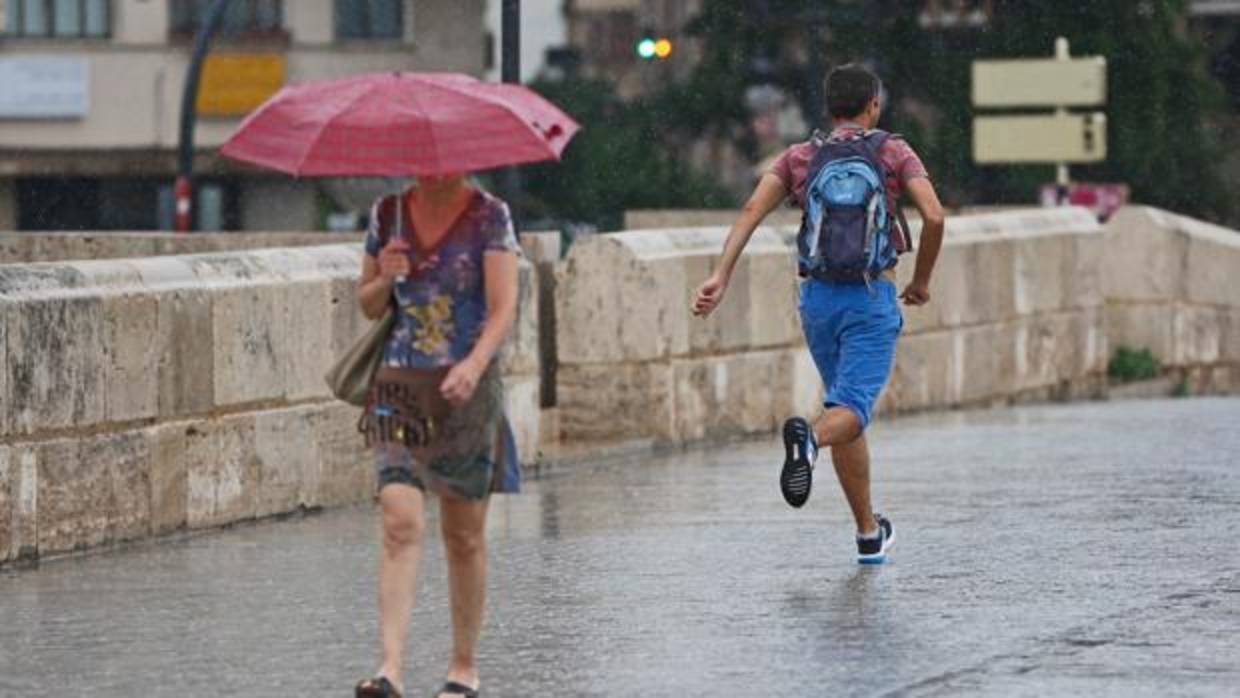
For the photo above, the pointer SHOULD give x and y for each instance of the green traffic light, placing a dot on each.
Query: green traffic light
(646, 48)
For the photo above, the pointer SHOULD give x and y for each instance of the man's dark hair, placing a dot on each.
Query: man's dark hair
(850, 88)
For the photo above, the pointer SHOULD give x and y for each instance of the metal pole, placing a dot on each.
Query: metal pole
(184, 189)
(510, 71)
(1063, 178)
(510, 67)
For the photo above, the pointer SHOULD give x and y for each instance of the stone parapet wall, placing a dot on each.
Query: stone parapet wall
(1017, 312)
(32, 247)
(140, 396)
(1172, 286)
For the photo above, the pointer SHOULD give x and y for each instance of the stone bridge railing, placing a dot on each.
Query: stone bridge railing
(144, 396)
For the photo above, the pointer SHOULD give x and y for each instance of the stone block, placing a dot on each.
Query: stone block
(132, 349)
(613, 305)
(23, 512)
(987, 363)
(774, 320)
(521, 398)
(222, 472)
(521, 351)
(75, 504)
(186, 340)
(1198, 334)
(1092, 349)
(1084, 278)
(169, 447)
(7, 308)
(1048, 348)
(347, 322)
(289, 468)
(925, 374)
(1146, 256)
(8, 503)
(1230, 347)
(1142, 326)
(127, 459)
(1213, 267)
(347, 473)
(541, 247)
(732, 326)
(56, 379)
(729, 396)
(1039, 277)
(612, 402)
(302, 341)
(250, 351)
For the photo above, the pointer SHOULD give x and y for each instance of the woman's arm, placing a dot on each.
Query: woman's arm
(499, 270)
(373, 290)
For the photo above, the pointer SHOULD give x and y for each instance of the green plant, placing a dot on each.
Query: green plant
(1128, 365)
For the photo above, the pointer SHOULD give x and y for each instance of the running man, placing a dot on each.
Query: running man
(849, 311)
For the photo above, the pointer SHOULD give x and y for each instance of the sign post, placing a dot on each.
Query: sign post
(1059, 138)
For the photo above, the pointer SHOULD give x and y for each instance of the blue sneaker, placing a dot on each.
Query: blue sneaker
(873, 551)
(800, 452)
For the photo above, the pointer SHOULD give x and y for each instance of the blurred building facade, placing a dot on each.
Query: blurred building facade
(90, 94)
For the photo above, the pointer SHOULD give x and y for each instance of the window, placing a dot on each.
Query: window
(370, 19)
(243, 17)
(58, 19)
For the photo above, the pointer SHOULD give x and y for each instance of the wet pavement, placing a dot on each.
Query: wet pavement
(1062, 550)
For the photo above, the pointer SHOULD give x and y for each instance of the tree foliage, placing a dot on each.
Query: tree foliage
(620, 160)
(1165, 112)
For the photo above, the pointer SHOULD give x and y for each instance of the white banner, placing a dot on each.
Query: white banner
(33, 87)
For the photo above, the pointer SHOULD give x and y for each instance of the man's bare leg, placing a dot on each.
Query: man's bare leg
(839, 428)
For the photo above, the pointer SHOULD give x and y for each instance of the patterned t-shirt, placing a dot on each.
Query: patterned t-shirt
(899, 160)
(441, 305)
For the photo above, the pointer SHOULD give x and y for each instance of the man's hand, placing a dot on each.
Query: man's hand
(709, 294)
(916, 293)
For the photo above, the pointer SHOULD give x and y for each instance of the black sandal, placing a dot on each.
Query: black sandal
(378, 687)
(452, 687)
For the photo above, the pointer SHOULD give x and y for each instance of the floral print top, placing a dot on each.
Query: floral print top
(441, 305)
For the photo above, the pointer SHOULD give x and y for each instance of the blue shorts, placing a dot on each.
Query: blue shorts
(851, 330)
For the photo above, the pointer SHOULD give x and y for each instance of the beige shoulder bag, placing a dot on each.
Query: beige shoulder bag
(350, 377)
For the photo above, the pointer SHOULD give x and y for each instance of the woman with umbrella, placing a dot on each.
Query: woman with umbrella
(442, 256)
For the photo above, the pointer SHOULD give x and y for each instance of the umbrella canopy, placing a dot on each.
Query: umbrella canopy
(400, 124)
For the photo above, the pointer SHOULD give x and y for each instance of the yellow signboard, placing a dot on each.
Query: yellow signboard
(235, 83)
(1043, 138)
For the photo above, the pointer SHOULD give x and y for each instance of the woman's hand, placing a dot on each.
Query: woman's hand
(461, 382)
(394, 259)
(709, 294)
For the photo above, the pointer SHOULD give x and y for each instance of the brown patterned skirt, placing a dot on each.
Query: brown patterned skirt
(420, 440)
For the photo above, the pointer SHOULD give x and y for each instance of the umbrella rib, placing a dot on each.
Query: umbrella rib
(326, 123)
(430, 128)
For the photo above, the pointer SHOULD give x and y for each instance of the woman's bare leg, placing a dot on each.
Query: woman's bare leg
(463, 523)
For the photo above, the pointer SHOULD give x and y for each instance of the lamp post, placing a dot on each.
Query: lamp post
(184, 188)
(510, 71)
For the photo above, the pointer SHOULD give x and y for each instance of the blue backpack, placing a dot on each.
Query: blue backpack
(846, 232)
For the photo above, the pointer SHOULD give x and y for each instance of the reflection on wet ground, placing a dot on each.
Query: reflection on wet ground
(1062, 550)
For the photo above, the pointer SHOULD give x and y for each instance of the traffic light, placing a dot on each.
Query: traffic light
(649, 48)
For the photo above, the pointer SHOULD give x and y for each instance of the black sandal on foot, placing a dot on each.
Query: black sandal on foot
(460, 689)
(378, 687)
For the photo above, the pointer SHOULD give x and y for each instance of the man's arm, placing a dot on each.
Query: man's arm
(769, 194)
(921, 191)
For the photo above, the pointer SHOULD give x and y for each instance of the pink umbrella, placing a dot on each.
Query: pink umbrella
(400, 124)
